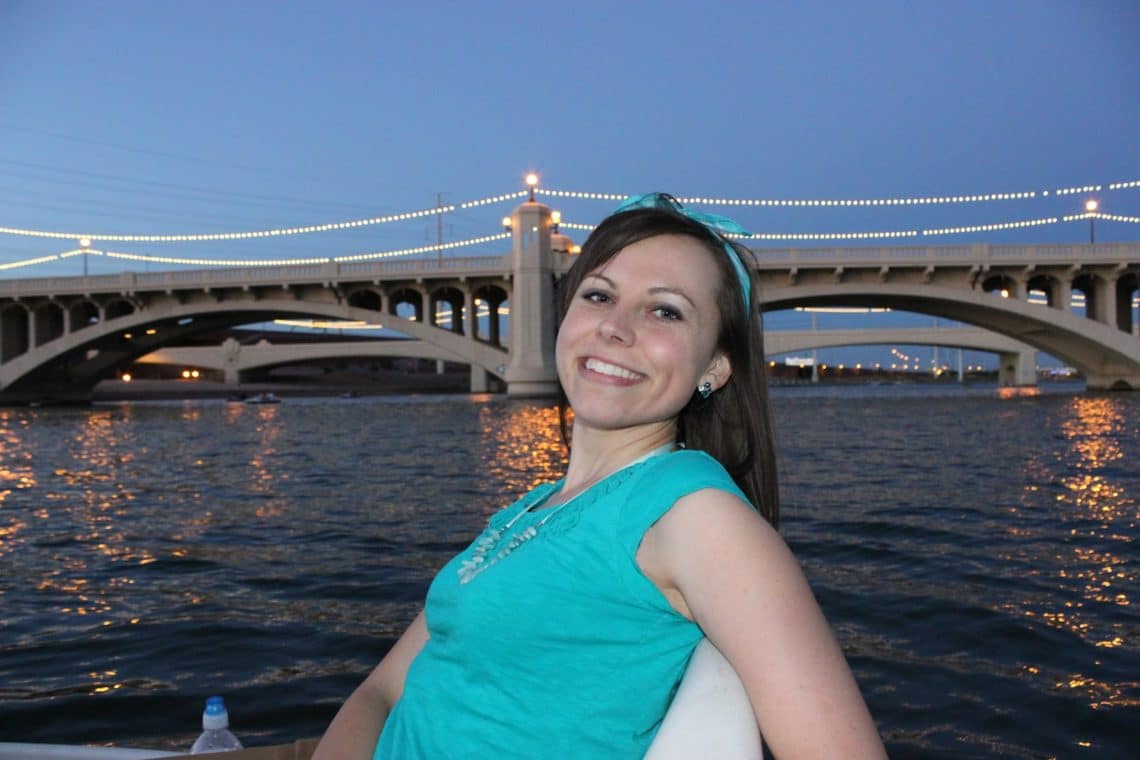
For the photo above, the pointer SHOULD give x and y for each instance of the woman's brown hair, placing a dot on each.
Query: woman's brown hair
(733, 425)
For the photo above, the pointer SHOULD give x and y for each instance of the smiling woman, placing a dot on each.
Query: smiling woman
(660, 535)
(640, 335)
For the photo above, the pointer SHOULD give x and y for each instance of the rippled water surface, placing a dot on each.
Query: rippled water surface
(976, 553)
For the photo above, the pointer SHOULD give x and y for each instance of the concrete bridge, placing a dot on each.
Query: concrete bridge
(234, 359)
(59, 336)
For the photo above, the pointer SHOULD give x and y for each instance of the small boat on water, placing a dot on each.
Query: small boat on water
(264, 398)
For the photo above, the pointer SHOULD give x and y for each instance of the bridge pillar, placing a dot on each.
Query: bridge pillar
(1064, 295)
(469, 315)
(1017, 368)
(532, 371)
(479, 380)
(1106, 312)
(494, 333)
(231, 356)
(1124, 286)
(1020, 289)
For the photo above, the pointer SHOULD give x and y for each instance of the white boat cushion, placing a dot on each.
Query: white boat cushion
(710, 716)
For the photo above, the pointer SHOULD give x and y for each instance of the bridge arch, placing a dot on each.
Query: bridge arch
(14, 331)
(493, 296)
(413, 297)
(371, 299)
(69, 366)
(1100, 351)
(1003, 284)
(48, 322)
(1048, 284)
(82, 313)
(455, 300)
(118, 307)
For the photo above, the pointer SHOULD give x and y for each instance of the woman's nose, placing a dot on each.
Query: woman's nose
(616, 326)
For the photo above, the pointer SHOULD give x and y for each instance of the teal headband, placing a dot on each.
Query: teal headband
(714, 222)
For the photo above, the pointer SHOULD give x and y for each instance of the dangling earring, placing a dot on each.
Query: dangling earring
(705, 389)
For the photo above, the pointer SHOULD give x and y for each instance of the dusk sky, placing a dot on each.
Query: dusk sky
(162, 117)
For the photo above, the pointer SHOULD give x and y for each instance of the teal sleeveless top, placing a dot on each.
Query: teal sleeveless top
(556, 644)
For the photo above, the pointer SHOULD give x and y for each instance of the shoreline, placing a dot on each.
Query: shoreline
(176, 390)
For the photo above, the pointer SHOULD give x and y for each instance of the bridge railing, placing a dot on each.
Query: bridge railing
(494, 266)
(257, 275)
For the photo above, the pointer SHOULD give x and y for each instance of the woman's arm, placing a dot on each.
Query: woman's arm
(355, 730)
(722, 565)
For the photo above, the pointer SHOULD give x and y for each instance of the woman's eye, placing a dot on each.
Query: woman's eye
(667, 312)
(596, 296)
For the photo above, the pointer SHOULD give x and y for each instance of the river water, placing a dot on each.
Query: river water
(976, 551)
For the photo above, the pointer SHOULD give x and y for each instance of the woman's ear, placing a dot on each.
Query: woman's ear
(718, 372)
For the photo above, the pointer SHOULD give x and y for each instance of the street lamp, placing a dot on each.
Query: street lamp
(531, 183)
(84, 243)
(506, 224)
(1090, 208)
(555, 220)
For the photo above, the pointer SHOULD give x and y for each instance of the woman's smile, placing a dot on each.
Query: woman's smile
(611, 371)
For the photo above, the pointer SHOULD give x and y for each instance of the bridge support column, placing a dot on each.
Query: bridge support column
(532, 371)
(469, 314)
(479, 380)
(1020, 289)
(1063, 299)
(1106, 301)
(1017, 368)
(231, 353)
(494, 336)
(1123, 318)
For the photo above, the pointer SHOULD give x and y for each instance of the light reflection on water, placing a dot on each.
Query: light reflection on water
(975, 554)
(524, 447)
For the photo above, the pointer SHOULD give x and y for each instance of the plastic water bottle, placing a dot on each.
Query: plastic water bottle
(216, 736)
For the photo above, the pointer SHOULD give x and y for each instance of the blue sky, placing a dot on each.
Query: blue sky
(162, 117)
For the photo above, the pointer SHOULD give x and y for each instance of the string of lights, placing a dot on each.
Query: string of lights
(1098, 215)
(831, 202)
(253, 262)
(437, 210)
(39, 260)
(303, 230)
(991, 227)
(494, 199)
(916, 201)
(215, 236)
(436, 247)
(906, 233)
(424, 248)
(827, 235)
(1081, 189)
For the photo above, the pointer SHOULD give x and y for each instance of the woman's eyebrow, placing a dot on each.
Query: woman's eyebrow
(673, 291)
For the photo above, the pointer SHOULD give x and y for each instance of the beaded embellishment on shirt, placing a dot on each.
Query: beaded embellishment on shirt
(483, 552)
(481, 557)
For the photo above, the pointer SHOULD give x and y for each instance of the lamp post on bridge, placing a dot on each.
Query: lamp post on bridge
(1091, 206)
(85, 243)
